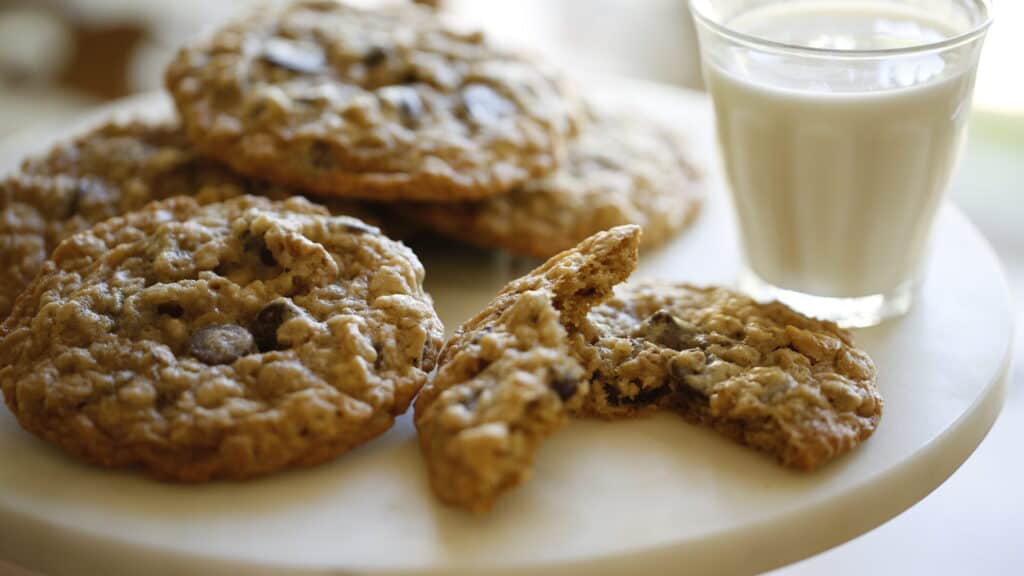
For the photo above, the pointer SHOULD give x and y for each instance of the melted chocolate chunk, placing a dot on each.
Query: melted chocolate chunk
(652, 395)
(666, 330)
(612, 394)
(411, 76)
(565, 386)
(646, 396)
(258, 245)
(375, 56)
(74, 201)
(269, 319)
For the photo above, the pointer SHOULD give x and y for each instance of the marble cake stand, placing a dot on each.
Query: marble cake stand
(648, 496)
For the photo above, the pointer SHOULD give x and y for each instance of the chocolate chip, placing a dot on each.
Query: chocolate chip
(565, 386)
(305, 59)
(409, 77)
(667, 330)
(375, 56)
(407, 101)
(220, 343)
(470, 401)
(267, 257)
(259, 245)
(411, 110)
(74, 201)
(611, 394)
(84, 188)
(685, 396)
(269, 319)
(172, 309)
(644, 397)
(484, 105)
(651, 395)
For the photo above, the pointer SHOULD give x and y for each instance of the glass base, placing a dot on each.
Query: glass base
(855, 312)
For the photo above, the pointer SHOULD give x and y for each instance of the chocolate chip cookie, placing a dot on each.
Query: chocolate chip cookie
(223, 340)
(619, 171)
(761, 374)
(111, 170)
(509, 377)
(382, 104)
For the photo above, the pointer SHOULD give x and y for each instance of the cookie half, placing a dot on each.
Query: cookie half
(619, 171)
(761, 374)
(509, 377)
(383, 104)
(224, 340)
(109, 171)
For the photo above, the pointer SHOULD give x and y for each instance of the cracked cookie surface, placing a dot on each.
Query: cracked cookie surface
(761, 374)
(618, 171)
(106, 172)
(384, 104)
(224, 340)
(509, 376)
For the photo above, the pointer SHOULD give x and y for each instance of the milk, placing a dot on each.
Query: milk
(837, 171)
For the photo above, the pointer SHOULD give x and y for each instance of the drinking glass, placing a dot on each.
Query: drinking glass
(840, 125)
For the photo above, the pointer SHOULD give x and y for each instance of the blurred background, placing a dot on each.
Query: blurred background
(60, 57)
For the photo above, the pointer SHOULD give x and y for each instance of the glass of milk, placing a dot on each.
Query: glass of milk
(840, 123)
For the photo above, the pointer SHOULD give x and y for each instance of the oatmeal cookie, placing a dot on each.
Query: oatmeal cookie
(384, 104)
(761, 374)
(109, 171)
(619, 171)
(508, 377)
(224, 340)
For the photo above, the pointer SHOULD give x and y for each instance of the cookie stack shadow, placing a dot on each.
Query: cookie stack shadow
(222, 295)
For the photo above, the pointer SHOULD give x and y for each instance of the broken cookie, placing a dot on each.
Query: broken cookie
(510, 376)
(761, 374)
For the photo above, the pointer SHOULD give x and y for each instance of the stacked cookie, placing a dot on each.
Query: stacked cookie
(218, 297)
(393, 107)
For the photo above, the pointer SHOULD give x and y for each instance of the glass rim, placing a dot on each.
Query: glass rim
(753, 41)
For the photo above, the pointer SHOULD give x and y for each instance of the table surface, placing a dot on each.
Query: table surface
(972, 524)
(710, 507)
